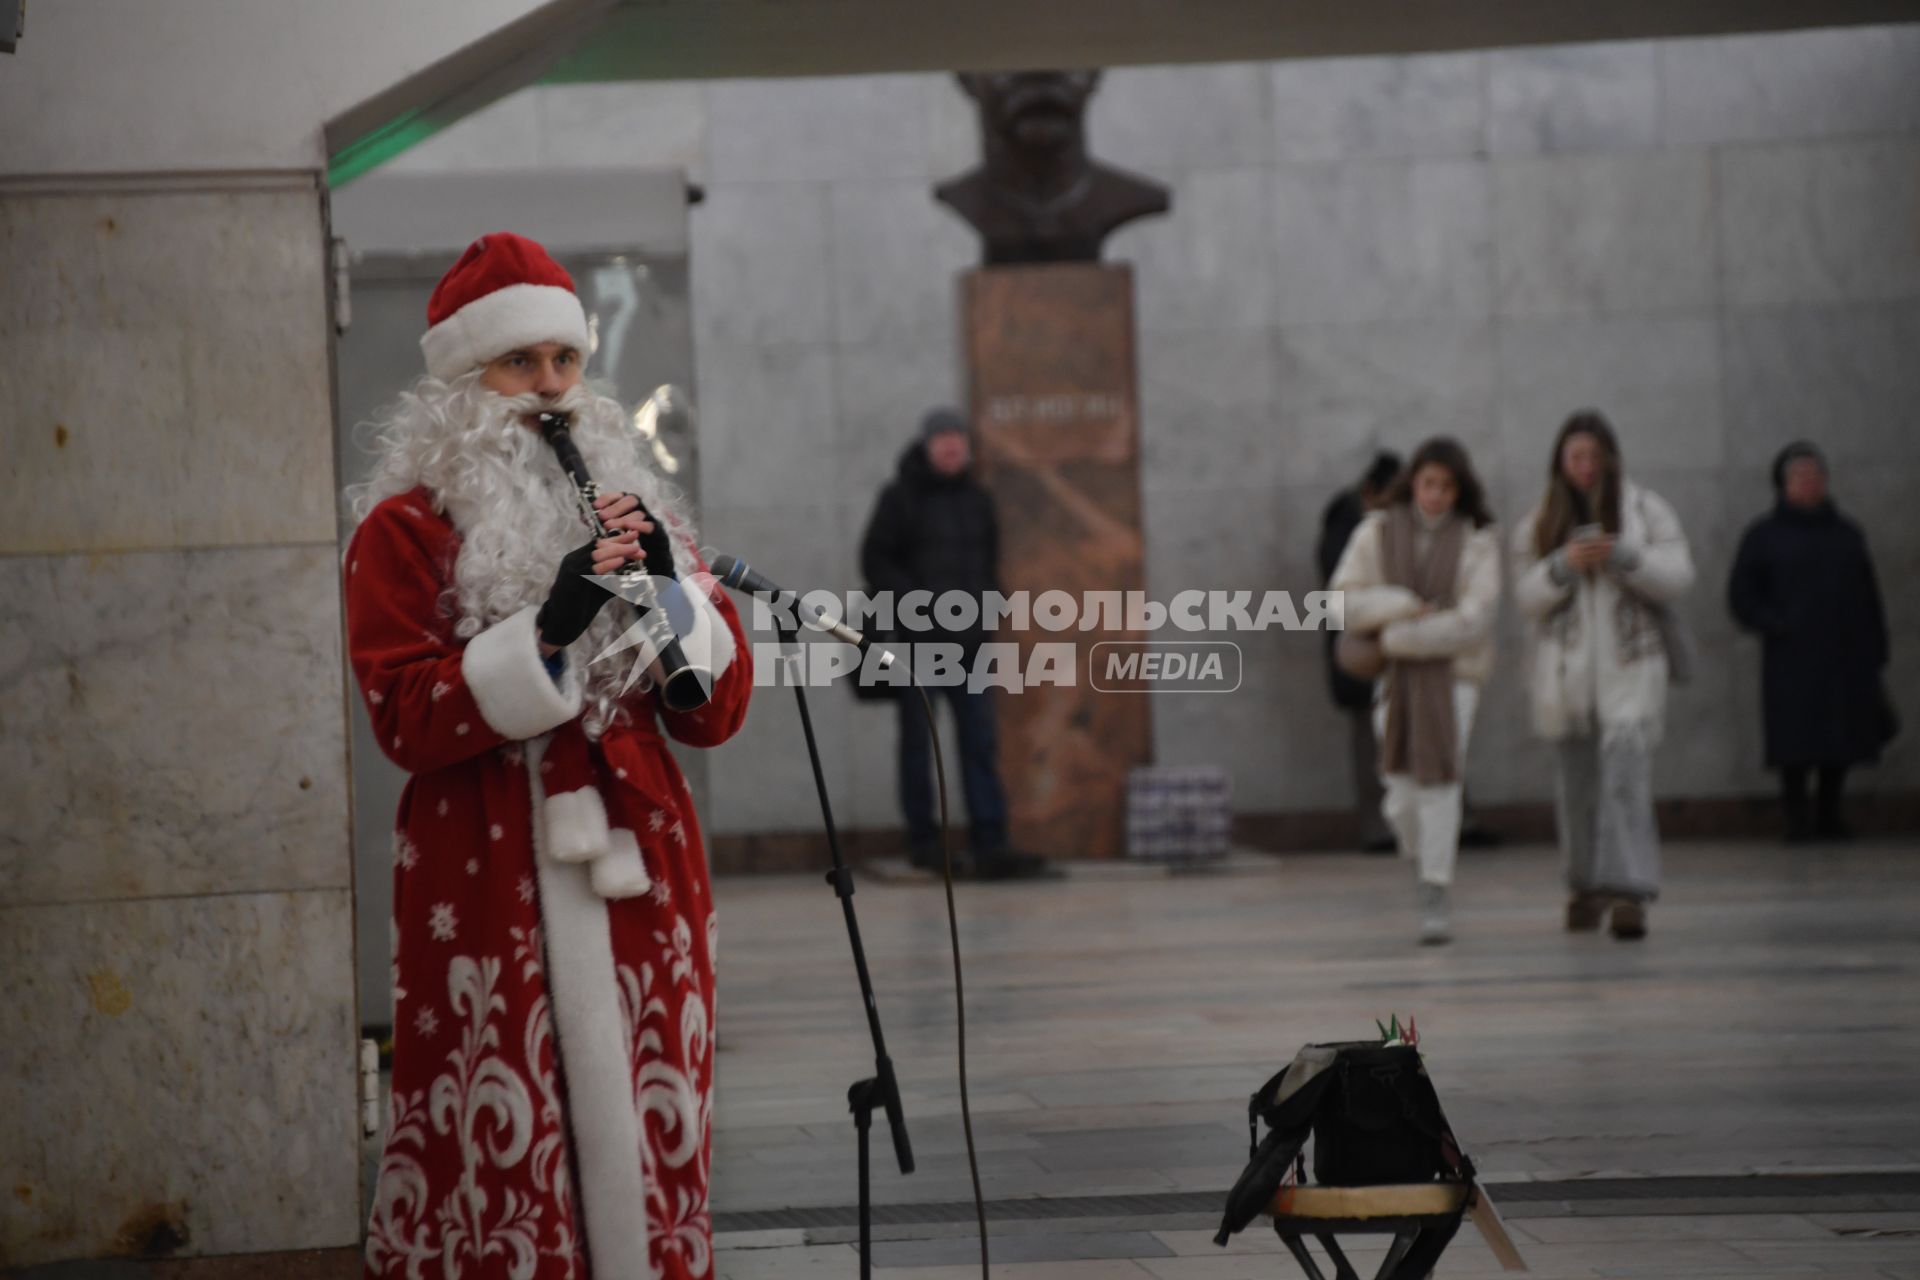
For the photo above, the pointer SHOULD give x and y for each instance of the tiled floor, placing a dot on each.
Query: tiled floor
(1119, 1019)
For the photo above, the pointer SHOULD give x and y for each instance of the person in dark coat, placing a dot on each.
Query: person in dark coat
(1803, 581)
(934, 530)
(1352, 695)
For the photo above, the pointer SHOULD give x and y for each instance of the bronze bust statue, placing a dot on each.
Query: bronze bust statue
(1038, 196)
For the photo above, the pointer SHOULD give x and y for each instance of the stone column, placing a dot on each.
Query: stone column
(177, 1039)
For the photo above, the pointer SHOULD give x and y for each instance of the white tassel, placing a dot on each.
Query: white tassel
(576, 825)
(621, 872)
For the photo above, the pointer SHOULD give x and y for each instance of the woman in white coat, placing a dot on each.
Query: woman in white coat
(1597, 566)
(1424, 576)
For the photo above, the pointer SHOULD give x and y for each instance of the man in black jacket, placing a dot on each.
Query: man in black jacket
(934, 530)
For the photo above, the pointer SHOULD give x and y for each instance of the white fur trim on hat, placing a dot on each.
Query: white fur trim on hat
(519, 315)
(576, 825)
(510, 684)
(621, 872)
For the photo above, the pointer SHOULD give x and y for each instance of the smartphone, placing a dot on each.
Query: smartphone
(1586, 532)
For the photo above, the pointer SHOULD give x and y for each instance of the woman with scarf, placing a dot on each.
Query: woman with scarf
(1804, 583)
(1423, 575)
(1597, 567)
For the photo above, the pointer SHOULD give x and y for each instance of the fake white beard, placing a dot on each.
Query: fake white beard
(500, 485)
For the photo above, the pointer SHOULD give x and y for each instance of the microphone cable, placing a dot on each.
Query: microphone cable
(959, 983)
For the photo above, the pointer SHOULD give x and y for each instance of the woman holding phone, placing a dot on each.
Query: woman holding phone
(1597, 566)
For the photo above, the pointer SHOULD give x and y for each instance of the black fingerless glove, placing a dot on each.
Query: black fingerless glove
(574, 601)
(657, 546)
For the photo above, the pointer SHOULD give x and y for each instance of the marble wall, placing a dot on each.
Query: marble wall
(1714, 240)
(177, 1045)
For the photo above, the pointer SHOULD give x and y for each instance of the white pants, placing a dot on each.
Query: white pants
(1426, 820)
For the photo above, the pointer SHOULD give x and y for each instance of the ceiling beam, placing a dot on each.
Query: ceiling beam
(702, 39)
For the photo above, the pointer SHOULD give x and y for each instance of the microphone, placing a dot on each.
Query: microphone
(683, 686)
(732, 571)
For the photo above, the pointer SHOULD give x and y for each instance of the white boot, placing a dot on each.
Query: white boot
(1436, 918)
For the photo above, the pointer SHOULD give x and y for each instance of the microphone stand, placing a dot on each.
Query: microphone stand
(881, 1089)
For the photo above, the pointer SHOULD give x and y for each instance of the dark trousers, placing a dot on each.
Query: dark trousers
(973, 715)
(1824, 817)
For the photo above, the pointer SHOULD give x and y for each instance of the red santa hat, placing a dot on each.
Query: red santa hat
(506, 292)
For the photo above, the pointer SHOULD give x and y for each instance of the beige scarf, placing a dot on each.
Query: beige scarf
(1422, 738)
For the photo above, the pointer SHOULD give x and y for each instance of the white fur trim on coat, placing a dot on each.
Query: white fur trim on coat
(621, 872)
(576, 825)
(520, 315)
(591, 1040)
(510, 683)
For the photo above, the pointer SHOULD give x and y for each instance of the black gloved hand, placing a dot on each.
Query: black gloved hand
(658, 546)
(574, 601)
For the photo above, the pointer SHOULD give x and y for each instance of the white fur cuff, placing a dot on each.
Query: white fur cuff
(622, 872)
(576, 825)
(510, 683)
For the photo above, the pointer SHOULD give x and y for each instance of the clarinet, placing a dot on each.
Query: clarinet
(683, 686)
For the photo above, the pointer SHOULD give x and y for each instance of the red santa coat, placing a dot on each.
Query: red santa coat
(553, 1048)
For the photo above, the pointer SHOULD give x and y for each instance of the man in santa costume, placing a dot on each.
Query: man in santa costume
(553, 930)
